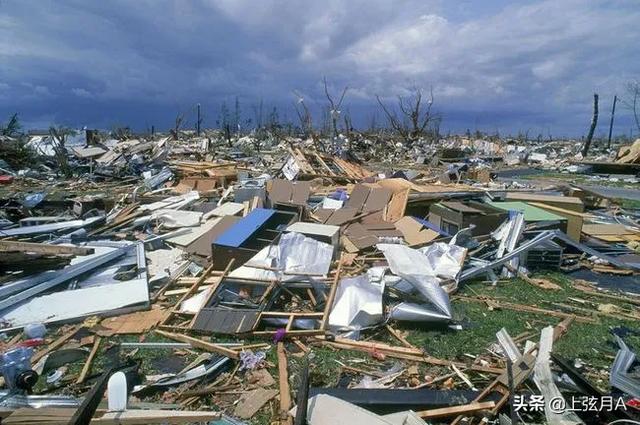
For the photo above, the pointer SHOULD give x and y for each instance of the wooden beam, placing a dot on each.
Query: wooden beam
(87, 365)
(332, 295)
(55, 344)
(190, 292)
(402, 353)
(525, 308)
(399, 337)
(203, 345)
(213, 289)
(62, 416)
(43, 248)
(283, 380)
(443, 412)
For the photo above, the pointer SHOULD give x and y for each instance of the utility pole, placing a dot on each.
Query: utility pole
(613, 113)
(198, 122)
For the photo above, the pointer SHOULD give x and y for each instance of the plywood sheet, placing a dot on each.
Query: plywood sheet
(134, 323)
(341, 216)
(414, 232)
(607, 229)
(358, 197)
(377, 199)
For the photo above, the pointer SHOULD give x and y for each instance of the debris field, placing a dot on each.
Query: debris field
(186, 278)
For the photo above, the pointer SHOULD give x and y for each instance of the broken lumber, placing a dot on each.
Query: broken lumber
(443, 412)
(283, 381)
(402, 353)
(525, 308)
(62, 416)
(203, 345)
(55, 344)
(43, 248)
(87, 365)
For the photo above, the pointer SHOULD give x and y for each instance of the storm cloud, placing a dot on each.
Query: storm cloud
(493, 65)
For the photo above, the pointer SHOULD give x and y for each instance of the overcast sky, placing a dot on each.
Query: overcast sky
(493, 64)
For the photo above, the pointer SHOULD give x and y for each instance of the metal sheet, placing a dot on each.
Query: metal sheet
(438, 259)
(108, 295)
(413, 312)
(213, 366)
(294, 254)
(172, 218)
(49, 228)
(78, 303)
(482, 269)
(543, 378)
(47, 281)
(508, 346)
(619, 377)
(420, 268)
(16, 401)
(173, 202)
(357, 304)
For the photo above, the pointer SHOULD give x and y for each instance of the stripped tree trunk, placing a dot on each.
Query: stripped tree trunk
(592, 129)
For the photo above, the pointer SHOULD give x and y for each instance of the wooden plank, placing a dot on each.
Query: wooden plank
(43, 248)
(397, 206)
(324, 164)
(303, 160)
(133, 323)
(332, 295)
(589, 290)
(213, 289)
(61, 416)
(444, 412)
(203, 345)
(399, 337)
(251, 402)
(55, 345)
(87, 365)
(402, 353)
(525, 308)
(190, 292)
(283, 381)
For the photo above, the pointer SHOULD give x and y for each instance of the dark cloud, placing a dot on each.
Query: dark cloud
(494, 65)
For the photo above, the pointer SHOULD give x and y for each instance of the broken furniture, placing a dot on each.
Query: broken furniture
(453, 216)
(244, 239)
(240, 306)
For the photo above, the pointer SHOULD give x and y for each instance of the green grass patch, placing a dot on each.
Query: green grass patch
(577, 179)
(591, 342)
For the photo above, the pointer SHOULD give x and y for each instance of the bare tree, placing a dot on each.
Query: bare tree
(592, 128)
(121, 132)
(12, 127)
(416, 116)
(237, 115)
(199, 120)
(373, 123)
(306, 122)
(59, 137)
(334, 108)
(348, 124)
(273, 123)
(224, 122)
(258, 114)
(632, 101)
(176, 128)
